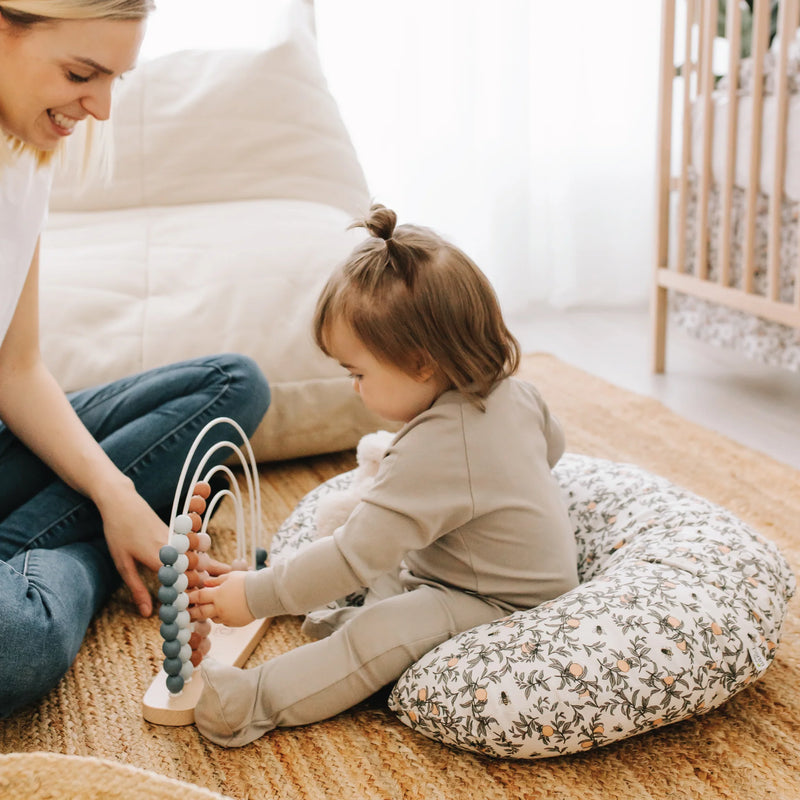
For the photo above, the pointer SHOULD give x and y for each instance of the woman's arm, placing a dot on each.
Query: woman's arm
(34, 407)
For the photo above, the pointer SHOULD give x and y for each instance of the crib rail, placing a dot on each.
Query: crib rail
(695, 35)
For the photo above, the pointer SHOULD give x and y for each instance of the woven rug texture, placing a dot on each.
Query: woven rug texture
(748, 748)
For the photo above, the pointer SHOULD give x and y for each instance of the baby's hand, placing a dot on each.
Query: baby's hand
(222, 599)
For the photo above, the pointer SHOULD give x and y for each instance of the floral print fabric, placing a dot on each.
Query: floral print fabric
(680, 606)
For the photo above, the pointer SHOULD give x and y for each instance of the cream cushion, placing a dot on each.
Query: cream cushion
(203, 126)
(234, 183)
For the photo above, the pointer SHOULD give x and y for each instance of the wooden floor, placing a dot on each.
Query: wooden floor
(756, 405)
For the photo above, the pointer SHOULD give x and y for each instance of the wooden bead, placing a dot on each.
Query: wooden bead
(181, 602)
(169, 631)
(172, 666)
(194, 541)
(182, 524)
(181, 563)
(167, 554)
(203, 489)
(167, 575)
(197, 521)
(171, 649)
(193, 577)
(167, 594)
(192, 559)
(197, 504)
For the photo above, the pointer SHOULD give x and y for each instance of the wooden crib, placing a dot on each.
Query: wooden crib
(712, 196)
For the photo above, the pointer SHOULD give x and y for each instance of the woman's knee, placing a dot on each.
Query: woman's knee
(248, 393)
(49, 598)
(35, 657)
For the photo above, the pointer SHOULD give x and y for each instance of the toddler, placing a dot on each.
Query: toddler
(464, 524)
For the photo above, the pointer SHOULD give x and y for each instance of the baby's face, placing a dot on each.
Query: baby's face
(385, 389)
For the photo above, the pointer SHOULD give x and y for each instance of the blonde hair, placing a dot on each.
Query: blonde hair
(413, 298)
(24, 15)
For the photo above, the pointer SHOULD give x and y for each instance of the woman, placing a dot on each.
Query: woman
(80, 476)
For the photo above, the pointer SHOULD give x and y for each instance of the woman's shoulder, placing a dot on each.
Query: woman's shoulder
(23, 181)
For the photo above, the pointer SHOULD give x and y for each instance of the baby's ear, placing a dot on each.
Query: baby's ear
(426, 367)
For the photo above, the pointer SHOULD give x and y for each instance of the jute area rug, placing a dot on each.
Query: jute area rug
(748, 748)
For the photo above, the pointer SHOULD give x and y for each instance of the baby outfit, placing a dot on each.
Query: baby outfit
(464, 524)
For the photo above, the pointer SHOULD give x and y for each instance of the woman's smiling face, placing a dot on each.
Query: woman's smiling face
(54, 74)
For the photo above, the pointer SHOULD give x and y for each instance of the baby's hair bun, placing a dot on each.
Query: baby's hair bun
(387, 253)
(380, 221)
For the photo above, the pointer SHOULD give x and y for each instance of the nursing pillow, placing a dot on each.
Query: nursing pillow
(680, 606)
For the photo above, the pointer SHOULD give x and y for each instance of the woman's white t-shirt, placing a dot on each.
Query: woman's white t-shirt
(24, 193)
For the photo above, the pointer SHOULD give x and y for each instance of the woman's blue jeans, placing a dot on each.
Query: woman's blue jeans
(55, 569)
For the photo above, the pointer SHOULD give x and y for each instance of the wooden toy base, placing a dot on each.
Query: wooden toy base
(230, 646)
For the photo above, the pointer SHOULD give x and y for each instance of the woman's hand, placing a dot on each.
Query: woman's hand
(134, 534)
(223, 600)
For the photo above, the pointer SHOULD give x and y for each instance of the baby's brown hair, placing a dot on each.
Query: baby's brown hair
(413, 298)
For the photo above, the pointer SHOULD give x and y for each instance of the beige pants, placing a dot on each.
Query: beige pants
(363, 650)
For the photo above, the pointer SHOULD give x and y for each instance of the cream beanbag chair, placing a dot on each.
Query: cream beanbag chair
(234, 184)
(680, 606)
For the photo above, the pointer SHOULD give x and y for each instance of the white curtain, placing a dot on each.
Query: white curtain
(524, 130)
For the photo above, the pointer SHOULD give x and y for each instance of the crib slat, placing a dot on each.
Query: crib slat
(658, 311)
(776, 195)
(792, 25)
(689, 68)
(787, 21)
(664, 151)
(733, 32)
(761, 12)
(708, 27)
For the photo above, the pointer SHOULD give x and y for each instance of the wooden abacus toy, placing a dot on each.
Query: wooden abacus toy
(173, 694)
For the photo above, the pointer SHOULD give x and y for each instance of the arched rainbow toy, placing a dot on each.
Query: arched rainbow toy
(173, 694)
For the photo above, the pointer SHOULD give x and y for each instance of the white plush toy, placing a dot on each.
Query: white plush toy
(334, 508)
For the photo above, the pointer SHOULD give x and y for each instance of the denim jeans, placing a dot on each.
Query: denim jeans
(55, 569)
